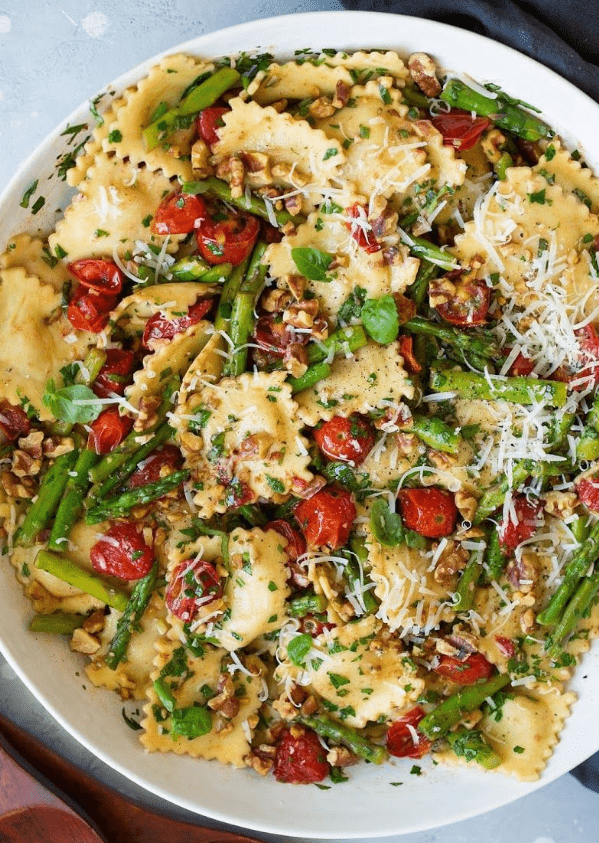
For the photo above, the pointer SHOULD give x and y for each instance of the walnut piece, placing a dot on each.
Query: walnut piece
(341, 756)
(424, 73)
(200, 160)
(84, 642)
(453, 558)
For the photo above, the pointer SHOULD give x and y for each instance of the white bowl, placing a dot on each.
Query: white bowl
(367, 805)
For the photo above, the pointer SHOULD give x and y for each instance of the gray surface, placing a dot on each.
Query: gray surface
(54, 54)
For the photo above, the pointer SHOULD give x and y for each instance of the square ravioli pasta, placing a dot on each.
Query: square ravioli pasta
(299, 421)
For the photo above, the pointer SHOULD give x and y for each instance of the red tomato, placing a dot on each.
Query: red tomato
(468, 672)
(400, 741)
(296, 544)
(327, 517)
(209, 122)
(364, 238)
(312, 626)
(150, 472)
(193, 584)
(588, 492)
(115, 372)
(300, 760)
(431, 512)
(100, 275)
(506, 646)
(407, 352)
(158, 327)
(348, 440)
(122, 552)
(459, 128)
(521, 367)
(108, 430)
(512, 534)
(589, 355)
(14, 422)
(89, 311)
(469, 307)
(227, 241)
(178, 213)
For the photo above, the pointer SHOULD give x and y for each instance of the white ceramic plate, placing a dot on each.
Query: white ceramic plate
(367, 805)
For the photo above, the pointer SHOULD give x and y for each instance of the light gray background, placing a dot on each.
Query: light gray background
(53, 55)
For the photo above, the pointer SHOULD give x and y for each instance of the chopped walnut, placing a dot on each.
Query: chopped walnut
(24, 465)
(294, 204)
(225, 701)
(295, 359)
(453, 558)
(424, 73)
(406, 443)
(148, 415)
(262, 759)
(223, 725)
(83, 642)
(441, 460)
(342, 91)
(200, 160)
(321, 108)
(16, 487)
(341, 756)
(560, 504)
(95, 622)
(320, 328)
(255, 445)
(32, 444)
(440, 291)
(493, 144)
(527, 621)
(522, 572)
(288, 229)
(301, 314)
(344, 609)
(275, 300)
(310, 705)
(466, 504)
(297, 694)
(56, 446)
(296, 284)
(279, 105)
(191, 442)
(286, 709)
(258, 168)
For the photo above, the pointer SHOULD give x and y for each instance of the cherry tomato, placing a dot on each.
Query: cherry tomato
(588, 492)
(273, 335)
(431, 512)
(300, 760)
(89, 311)
(108, 431)
(506, 646)
(14, 422)
(468, 672)
(512, 534)
(296, 544)
(314, 627)
(407, 352)
(521, 367)
(151, 471)
(460, 129)
(327, 517)
(122, 552)
(115, 372)
(227, 241)
(362, 233)
(238, 493)
(209, 121)
(587, 370)
(348, 440)
(100, 275)
(178, 213)
(193, 584)
(158, 327)
(400, 741)
(469, 307)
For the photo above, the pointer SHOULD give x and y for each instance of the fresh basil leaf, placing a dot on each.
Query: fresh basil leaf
(191, 722)
(61, 404)
(312, 263)
(298, 648)
(380, 319)
(387, 527)
(352, 306)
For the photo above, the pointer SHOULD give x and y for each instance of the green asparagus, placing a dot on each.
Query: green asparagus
(331, 729)
(427, 251)
(469, 578)
(311, 377)
(345, 339)
(121, 505)
(439, 721)
(435, 433)
(471, 745)
(307, 604)
(58, 623)
(136, 606)
(574, 612)
(518, 390)
(481, 345)
(68, 571)
(242, 315)
(71, 502)
(228, 295)
(494, 497)
(254, 205)
(48, 498)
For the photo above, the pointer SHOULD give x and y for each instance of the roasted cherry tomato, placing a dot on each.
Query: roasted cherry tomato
(178, 213)
(122, 552)
(431, 512)
(100, 275)
(468, 672)
(400, 739)
(296, 544)
(311, 625)
(406, 349)
(588, 492)
(115, 373)
(348, 440)
(237, 494)
(327, 517)
(209, 122)
(361, 229)
(89, 311)
(468, 307)
(229, 240)
(273, 335)
(168, 456)
(108, 430)
(14, 422)
(521, 367)
(506, 646)
(300, 760)
(158, 327)
(192, 585)
(586, 372)
(527, 513)
(460, 129)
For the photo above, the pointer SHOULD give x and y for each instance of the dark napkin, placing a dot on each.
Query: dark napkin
(562, 34)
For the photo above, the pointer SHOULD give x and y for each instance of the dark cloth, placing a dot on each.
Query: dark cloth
(562, 34)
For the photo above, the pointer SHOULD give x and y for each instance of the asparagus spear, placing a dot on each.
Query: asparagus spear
(198, 99)
(254, 205)
(468, 580)
(593, 416)
(471, 745)
(138, 602)
(580, 602)
(67, 571)
(71, 502)
(427, 251)
(481, 345)
(48, 498)
(494, 497)
(58, 623)
(311, 377)
(121, 505)
(419, 289)
(587, 447)
(351, 338)
(352, 574)
(517, 390)
(307, 604)
(326, 727)
(228, 294)
(510, 117)
(195, 268)
(500, 166)
(242, 315)
(436, 434)
(439, 721)
(494, 561)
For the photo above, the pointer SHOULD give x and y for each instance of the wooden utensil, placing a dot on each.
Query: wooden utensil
(37, 810)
